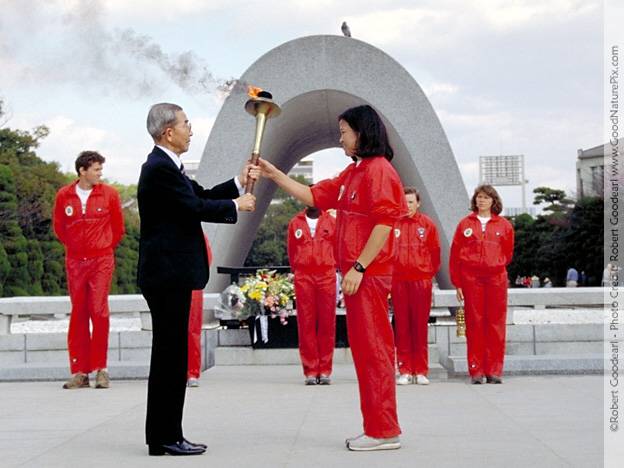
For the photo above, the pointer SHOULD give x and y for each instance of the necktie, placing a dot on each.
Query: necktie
(182, 169)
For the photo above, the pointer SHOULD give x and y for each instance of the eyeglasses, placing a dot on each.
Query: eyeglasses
(186, 124)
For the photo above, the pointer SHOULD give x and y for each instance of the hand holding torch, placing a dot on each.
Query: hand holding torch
(261, 106)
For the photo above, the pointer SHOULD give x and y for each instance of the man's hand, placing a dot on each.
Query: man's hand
(351, 282)
(460, 295)
(249, 171)
(246, 202)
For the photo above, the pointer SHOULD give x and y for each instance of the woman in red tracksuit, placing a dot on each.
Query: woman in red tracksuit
(481, 250)
(195, 326)
(311, 257)
(417, 261)
(369, 200)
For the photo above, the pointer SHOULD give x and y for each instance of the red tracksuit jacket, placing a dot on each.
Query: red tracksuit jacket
(417, 248)
(365, 195)
(308, 254)
(95, 233)
(481, 253)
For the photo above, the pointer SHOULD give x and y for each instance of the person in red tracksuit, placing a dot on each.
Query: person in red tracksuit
(196, 319)
(88, 221)
(311, 256)
(368, 197)
(482, 248)
(417, 261)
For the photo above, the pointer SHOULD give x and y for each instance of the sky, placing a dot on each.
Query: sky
(503, 76)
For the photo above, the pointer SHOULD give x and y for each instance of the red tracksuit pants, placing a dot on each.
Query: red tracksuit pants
(194, 338)
(372, 347)
(412, 306)
(88, 282)
(485, 306)
(316, 321)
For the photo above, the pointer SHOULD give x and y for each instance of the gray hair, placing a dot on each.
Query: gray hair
(160, 117)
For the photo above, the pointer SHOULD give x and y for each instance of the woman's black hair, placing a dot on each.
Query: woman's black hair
(372, 136)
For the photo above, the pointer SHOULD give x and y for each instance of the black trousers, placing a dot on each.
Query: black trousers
(166, 386)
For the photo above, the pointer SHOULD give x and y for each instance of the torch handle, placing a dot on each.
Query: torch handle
(249, 185)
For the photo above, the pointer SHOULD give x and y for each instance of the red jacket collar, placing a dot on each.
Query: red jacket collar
(473, 215)
(96, 188)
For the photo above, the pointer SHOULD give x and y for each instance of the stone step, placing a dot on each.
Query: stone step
(247, 356)
(538, 364)
(127, 370)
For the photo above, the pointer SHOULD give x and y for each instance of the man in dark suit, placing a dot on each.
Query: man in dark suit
(172, 263)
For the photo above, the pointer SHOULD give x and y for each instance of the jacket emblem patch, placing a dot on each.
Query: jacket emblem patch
(69, 210)
(397, 232)
(421, 231)
(468, 232)
(298, 234)
(341, 192)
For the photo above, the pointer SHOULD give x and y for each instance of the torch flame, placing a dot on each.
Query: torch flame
(253, 91)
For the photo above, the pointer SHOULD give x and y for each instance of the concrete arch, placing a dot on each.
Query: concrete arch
(315, 79)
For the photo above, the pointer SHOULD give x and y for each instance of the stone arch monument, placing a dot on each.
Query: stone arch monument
(314, 79)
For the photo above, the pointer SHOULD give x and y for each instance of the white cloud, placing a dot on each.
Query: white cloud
(503, 14)
(439, 88)
(420, 27)
(449, 24)
(164, 9)
(68, 138)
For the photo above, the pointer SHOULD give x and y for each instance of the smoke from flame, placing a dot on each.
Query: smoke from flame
(115, 62)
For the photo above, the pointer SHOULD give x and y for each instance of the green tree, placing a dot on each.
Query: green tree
(18, 281)
(127, 256)
(557, 203)
(5, 268)
(269, 246)
(566, 234)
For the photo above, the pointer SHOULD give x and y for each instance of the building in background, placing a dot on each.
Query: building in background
(504, 170)
(304, 168)
(515, 211)
(590, 172)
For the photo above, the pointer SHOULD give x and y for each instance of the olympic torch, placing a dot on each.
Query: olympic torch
(261, 106)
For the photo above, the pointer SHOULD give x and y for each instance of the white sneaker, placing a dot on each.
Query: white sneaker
(192, 382)
(421, 380)
(404, 379)
(351, 439)
(368, 444)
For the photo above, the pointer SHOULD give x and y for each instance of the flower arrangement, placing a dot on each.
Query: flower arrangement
(268, 292)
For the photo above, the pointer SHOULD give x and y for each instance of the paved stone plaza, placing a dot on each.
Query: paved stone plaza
(262, 416)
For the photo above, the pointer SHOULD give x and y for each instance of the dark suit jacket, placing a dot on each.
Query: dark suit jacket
(172, 252)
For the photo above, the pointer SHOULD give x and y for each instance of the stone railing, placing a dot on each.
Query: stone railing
(27, 306)
(11, 307)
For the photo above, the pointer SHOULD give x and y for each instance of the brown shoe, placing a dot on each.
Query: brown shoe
(78, 380)
(101, 379)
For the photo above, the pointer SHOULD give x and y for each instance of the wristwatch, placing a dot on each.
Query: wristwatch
(357, 266)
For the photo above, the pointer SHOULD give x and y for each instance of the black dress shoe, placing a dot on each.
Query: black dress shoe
(493, 379)
(178, 448)
(193, 444)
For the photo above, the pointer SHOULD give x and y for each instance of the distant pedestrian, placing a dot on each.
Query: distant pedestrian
(606, 275)
(572, 278)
